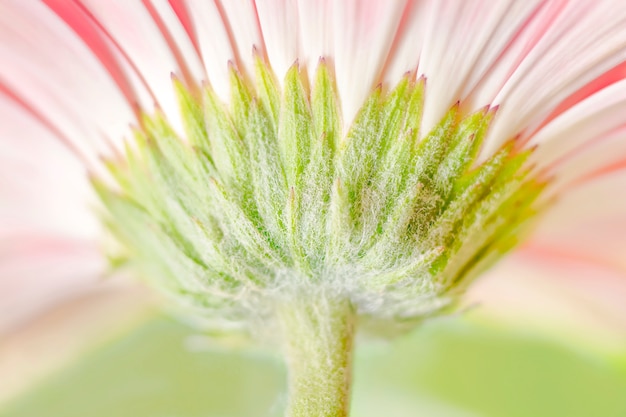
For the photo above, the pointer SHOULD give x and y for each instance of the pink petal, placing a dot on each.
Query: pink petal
(565, 298)
(588, 222)
(79, 72)
(30, 353)
(52, 133)
(43, 185)
(32, 38)
(40, 272)
(569, 278)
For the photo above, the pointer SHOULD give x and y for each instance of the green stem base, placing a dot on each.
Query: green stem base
(318, 334)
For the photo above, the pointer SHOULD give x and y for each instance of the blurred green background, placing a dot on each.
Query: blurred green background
(450, 367)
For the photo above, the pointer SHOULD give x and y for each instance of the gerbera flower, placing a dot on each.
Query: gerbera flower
(311, 165)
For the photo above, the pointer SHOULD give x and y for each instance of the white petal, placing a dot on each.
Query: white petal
(226, 32)
(316, 32)
(409, 41)
(280, 24)
(461, 43)
(215, 43)
(521, 36)
(602, 156)
(584, 138)
(355, 36)
(178, 41)
(363, 34)
(584, 41)
(243, 24)
(138, 35)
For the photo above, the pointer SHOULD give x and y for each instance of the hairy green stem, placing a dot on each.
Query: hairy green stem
(319, 334)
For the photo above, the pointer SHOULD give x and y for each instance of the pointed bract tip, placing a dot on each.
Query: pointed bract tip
(259, 54)
(410, 75)
(325, 62)
(485, 109)
(206, 85)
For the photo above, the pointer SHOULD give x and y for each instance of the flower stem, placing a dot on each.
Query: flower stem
(319, 334)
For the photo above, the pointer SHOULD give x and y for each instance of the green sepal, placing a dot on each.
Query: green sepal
(271, 193)
(192, 114)
(268, 90)
(224, 144)
(316, 187)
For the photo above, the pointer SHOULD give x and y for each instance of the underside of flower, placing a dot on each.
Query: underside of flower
(299, 203)
(267, 199)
